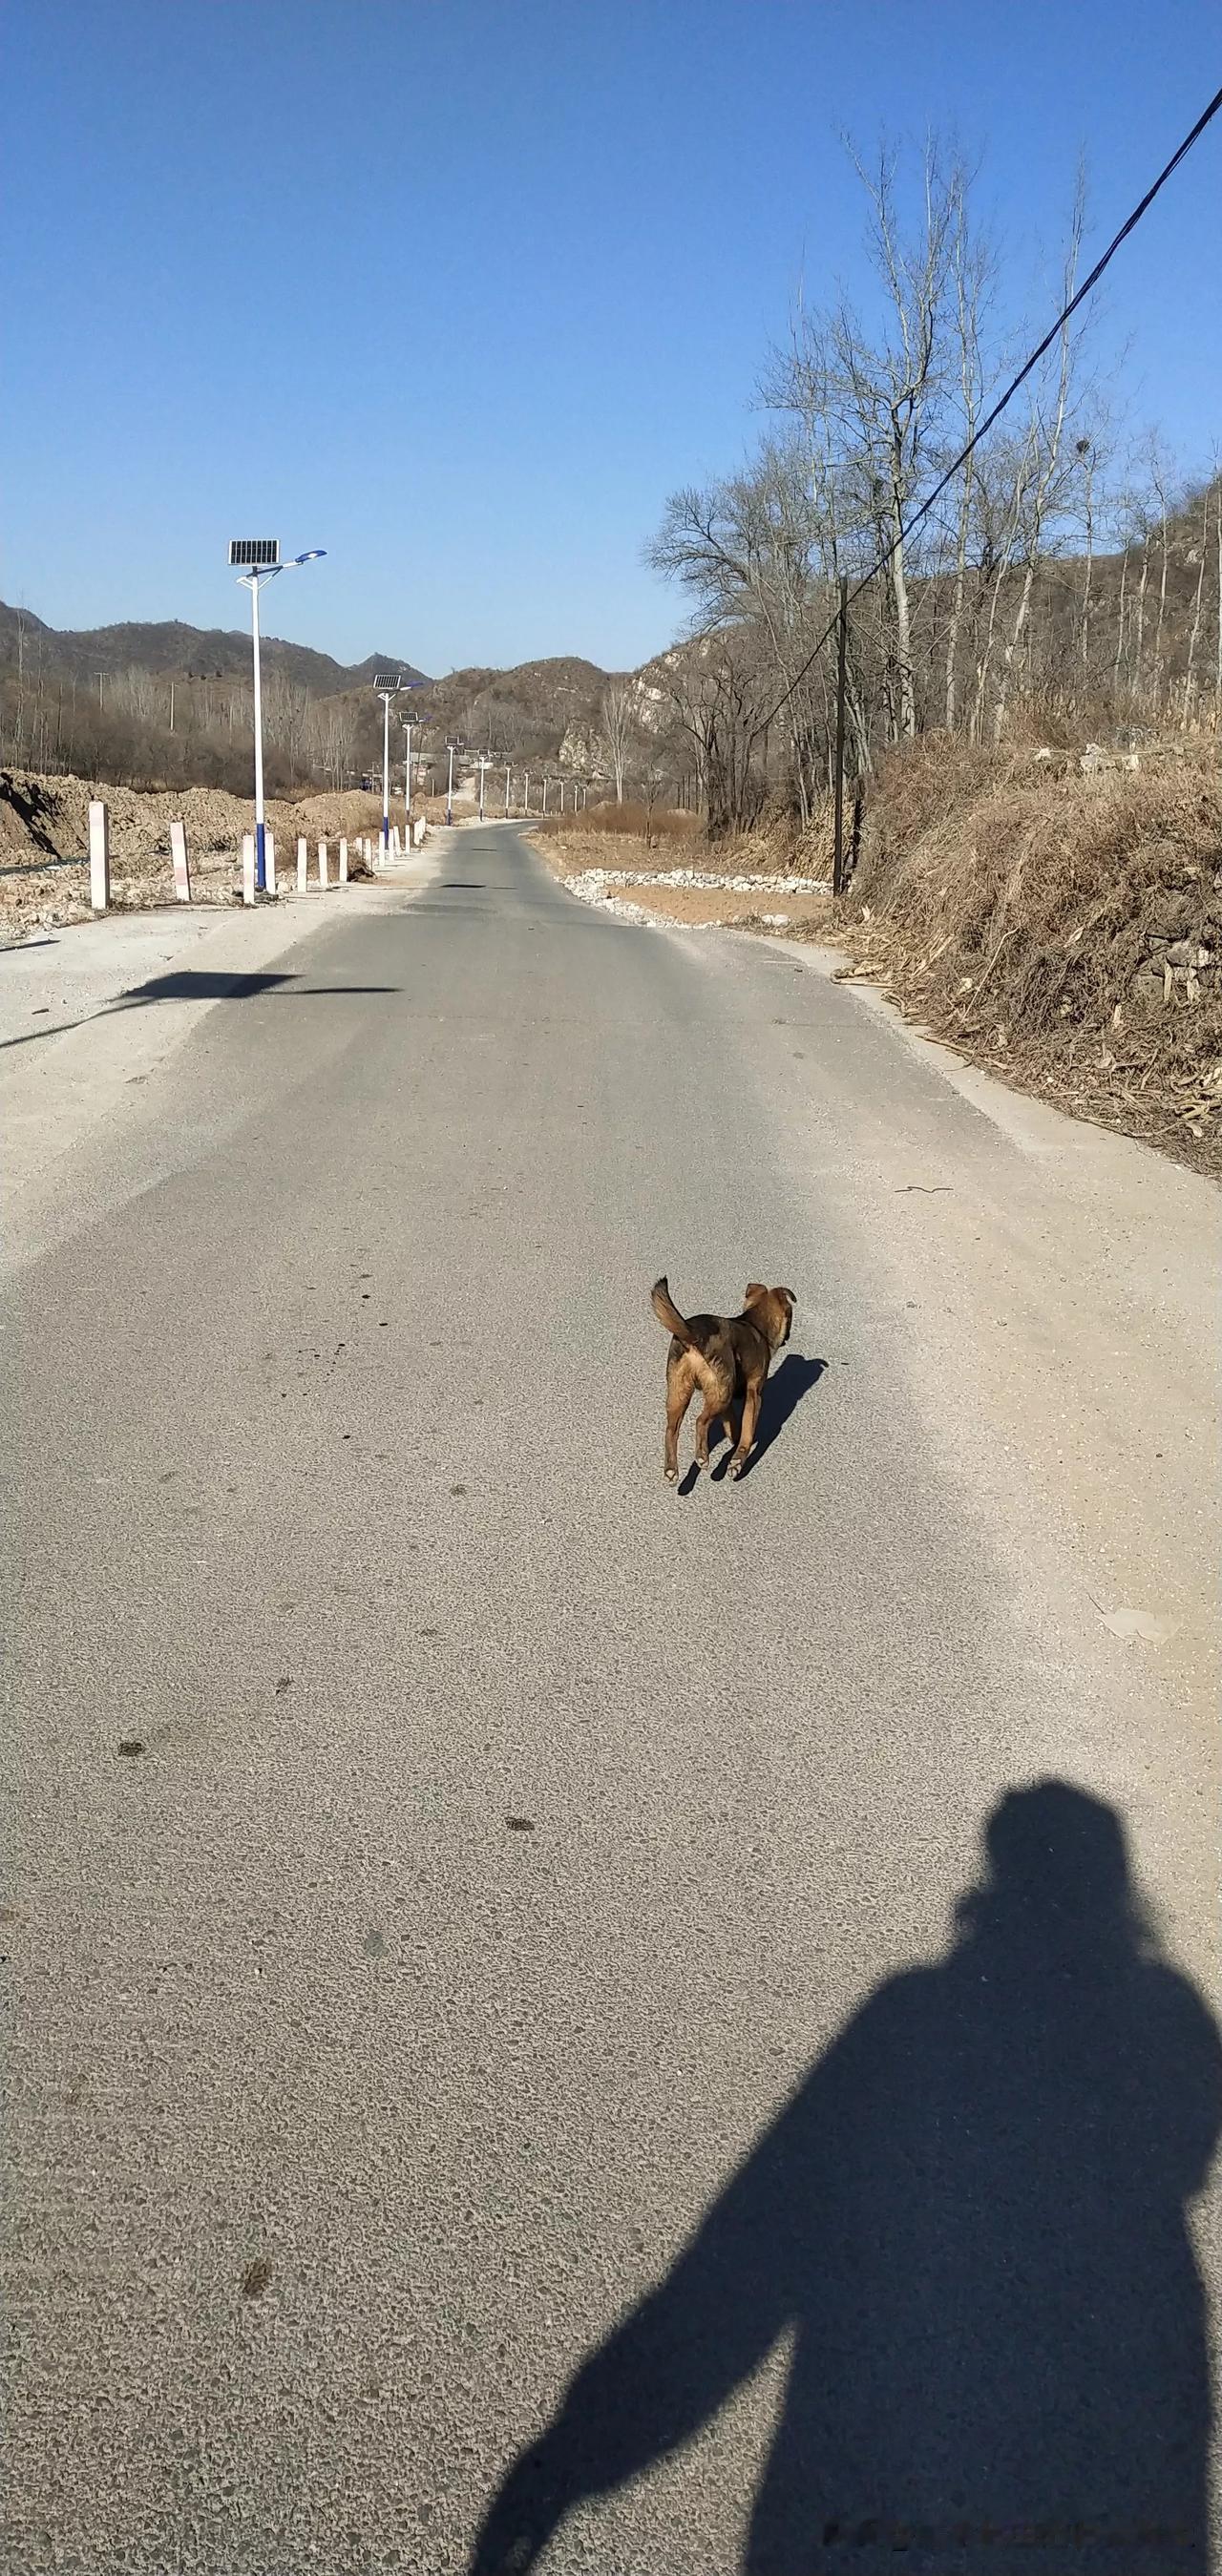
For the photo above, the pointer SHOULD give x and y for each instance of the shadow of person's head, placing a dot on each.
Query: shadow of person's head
(1058, 1862)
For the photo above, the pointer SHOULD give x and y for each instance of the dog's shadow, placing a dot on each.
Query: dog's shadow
(783, 1393)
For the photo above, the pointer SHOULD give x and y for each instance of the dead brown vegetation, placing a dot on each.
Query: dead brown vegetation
(1061, 926)
(630, 821)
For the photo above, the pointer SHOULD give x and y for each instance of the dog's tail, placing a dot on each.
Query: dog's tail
(667, 1313)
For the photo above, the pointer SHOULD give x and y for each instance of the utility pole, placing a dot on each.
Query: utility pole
(838, 876)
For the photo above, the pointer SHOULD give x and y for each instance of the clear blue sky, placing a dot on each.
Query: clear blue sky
(460, 289)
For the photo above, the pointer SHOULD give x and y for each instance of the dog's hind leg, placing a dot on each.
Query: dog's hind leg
(714, 1409)
(679, 1393)
(750, 1423)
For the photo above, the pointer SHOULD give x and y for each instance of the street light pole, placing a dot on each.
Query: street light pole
(386, 776)
(260, 832)
(407, 775)
(482, 767)
(507, 784)
(261, 558)
(386, 685)
(450, 786)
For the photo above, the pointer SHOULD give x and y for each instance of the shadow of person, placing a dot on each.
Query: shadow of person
(970, 2219)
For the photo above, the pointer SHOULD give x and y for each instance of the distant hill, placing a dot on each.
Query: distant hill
(529, 707)
(172, 651)
(152, 704)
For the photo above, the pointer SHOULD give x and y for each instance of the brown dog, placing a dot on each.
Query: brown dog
(727, 1357)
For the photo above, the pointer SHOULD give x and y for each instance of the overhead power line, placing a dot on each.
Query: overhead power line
(1129, 225)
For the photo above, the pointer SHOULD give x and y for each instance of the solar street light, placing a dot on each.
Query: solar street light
(256, 560)
(387, 685)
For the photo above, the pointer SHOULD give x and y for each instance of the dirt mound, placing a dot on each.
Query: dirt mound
(44, 842)
(1060, 921)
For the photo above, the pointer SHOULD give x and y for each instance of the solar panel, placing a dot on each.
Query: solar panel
(255, 552)
(386, 682)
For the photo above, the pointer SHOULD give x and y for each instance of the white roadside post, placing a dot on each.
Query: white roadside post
(545, 787)
(259, 558)
(343, 863)
(508, 783)
(322, 863)
(99, 856)
(303, 866)
(526, 791)
(270, 862)
(178, 855)
(248, 867)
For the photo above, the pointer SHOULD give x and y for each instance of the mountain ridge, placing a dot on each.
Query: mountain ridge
(168, 648)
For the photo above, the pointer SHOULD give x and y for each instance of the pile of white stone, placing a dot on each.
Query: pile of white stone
(594, 883)
(598, 878)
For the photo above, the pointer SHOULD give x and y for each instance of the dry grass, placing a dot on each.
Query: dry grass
(1026, 912)
(663, 828)
(777, 848)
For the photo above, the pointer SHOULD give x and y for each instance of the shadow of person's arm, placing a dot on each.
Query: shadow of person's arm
(667, 2369)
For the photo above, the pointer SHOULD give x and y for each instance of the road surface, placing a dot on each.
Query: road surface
(554, 2021)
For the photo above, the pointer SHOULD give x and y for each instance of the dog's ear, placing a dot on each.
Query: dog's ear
(788, 1295)
(755, 1290)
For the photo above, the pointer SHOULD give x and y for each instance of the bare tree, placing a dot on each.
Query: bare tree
(971, 271)
(1084, 450)
(617, 723)
(1198, 601)
(720, 689)
(1218, 663)
(1049, 415)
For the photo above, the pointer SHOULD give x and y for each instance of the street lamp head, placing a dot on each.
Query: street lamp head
(312, 555)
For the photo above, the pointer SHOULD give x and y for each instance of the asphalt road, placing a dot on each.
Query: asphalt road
(554, 2021)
